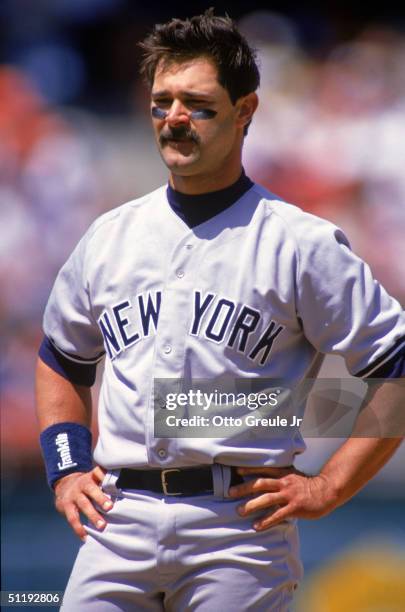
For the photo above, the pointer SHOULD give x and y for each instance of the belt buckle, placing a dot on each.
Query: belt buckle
(164, 481)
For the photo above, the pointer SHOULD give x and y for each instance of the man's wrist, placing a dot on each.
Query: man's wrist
(66, 448)
(333, 493)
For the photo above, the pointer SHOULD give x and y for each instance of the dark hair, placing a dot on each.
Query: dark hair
(216, 38)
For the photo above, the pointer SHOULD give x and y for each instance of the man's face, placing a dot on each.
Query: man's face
(194, 120)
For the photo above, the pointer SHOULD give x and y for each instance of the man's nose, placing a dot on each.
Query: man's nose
(178, 114)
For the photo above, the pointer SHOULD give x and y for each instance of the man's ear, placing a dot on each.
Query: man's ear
(246, 107)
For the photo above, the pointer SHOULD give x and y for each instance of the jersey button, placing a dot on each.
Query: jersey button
(189, 246)
(162, 453)
(167, 349)
(180, 273)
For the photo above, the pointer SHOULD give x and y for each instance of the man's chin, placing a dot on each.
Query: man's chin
(177, 162)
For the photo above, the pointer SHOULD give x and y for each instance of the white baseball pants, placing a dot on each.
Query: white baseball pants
(181, 554)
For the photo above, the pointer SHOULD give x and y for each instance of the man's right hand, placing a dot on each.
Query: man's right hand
(77, 493)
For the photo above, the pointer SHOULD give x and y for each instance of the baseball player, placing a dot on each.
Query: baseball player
(208, 277)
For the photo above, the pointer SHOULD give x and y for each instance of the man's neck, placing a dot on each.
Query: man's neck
(193, 185)
(196, 208)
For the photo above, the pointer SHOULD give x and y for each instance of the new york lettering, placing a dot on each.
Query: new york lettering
(117, 327)
(217, 319)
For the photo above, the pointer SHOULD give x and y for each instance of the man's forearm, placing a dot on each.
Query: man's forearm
(59, 400)
(355, 463)
(376, 435)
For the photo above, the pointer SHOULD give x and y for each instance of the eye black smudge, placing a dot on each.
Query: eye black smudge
(203, 113)
(158, 113)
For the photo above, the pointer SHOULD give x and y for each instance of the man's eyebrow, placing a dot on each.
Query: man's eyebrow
(185, 94)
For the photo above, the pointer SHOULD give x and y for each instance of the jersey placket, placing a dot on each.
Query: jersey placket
(171, 337)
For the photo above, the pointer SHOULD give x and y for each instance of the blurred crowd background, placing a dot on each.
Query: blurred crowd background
(75, 141)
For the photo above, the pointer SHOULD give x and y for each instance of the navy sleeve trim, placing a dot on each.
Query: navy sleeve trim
(78, 373)
(76, 358)
(389, 365)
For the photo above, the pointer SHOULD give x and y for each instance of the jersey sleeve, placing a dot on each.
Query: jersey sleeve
(343, 309)
(83, 374)
(68, 322)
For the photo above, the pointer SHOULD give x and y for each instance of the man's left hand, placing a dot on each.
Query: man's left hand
(287, 491)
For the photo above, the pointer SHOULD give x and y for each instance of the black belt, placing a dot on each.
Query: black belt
(173, 481)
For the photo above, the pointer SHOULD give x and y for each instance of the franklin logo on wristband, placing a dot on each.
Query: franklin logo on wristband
(62, 447)
(66, 448)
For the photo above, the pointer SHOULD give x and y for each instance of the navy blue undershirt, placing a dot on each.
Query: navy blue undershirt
(195, 209)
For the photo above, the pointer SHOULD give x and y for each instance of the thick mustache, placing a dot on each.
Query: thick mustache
(179, 134)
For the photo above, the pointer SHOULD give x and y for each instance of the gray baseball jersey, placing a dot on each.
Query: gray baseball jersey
(262, 289)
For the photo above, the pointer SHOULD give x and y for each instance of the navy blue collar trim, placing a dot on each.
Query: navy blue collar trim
(195, 209)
